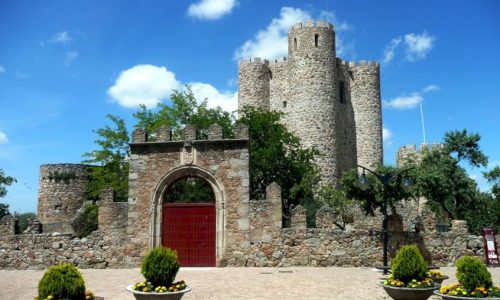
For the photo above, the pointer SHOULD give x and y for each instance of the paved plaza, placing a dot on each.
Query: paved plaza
(228, 283)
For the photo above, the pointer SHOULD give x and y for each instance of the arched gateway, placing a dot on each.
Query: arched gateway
(200, 230)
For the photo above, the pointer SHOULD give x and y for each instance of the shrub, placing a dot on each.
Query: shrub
(472, 273)
(409, 264)
(87, 221)
(160, 266)
(62, 281)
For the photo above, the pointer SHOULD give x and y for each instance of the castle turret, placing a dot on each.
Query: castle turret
(253, 83)
(365, 96)
(61, 193)
(310, 111)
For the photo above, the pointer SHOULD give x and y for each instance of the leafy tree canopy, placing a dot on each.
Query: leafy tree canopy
(377, 193)
(184, 110)
(110, 159)
(4, 182)
(278, 156)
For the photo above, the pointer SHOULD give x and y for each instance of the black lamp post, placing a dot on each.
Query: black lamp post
(385, 180)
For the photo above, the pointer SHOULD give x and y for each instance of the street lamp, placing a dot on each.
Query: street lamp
(385, 179)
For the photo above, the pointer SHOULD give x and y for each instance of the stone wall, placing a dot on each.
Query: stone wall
(331, 246)
(61, 193)
(39, 251)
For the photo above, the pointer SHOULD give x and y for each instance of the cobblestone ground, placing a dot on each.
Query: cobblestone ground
(228, 283)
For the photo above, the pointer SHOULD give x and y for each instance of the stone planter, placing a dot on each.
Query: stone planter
(403, 293)
(158, 296)
(448, 297)
(440, 279)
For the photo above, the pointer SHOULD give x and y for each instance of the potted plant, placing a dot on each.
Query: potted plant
(474, 281)
(409, 279)
(159, 267)
(63, 281)
(437, 276)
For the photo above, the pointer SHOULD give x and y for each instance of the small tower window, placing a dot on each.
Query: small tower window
(270, 75)
(316, 40)
(284, 104)
(294, 43)
(342, 92)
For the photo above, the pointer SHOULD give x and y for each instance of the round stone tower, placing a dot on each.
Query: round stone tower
(253, 83)
(310, 111)
(61, 193)
(366, 102)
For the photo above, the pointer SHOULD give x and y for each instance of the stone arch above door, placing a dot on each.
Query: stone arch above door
(170, 178)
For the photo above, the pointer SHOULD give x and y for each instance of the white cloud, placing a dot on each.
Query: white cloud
(226, 100)
(404, 102)
(387, 135)
(60, 38)
(2, 69)
(412, 101)
(418, 45)
(143, 84)
(273, 41)
(390, 50)
(431, 88)
(211, 9)
(3, 138)
(70, 56)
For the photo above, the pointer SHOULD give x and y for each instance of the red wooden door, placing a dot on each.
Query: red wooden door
(189, 228)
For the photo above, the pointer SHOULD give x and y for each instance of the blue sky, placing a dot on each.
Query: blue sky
(64, 65)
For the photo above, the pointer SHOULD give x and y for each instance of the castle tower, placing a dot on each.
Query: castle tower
(253, 83)
(366, 102)
(310, 111)
(61, 193)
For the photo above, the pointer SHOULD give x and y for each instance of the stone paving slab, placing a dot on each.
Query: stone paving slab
(228, 283)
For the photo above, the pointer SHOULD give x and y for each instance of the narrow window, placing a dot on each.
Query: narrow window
(284, 104)
(341, 92)
(316, 39)
(294, 43)
(270, 75)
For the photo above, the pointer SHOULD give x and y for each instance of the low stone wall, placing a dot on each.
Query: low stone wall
(39, 251)
(333, 247)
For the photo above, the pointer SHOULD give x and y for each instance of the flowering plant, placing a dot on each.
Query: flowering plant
(414, 283)
(149, 287)
(435, 274)
(457, 289)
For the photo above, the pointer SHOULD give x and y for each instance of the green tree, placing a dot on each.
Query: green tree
(4, 182)
(377, 193)
(111, 159)
(23, 220)
(184, 110)
(278, 156)
(493, 178)
(443, 181)
(339, 202)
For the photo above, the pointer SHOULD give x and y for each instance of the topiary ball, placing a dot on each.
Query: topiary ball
(409, 264)
(160, 266)
(62, 281)
(472, 273)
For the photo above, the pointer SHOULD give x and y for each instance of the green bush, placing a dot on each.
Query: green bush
(472, 273)
(87, 221)
(160, 266)
(62, 281)
(409, 264)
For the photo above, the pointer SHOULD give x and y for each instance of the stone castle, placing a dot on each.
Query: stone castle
(328, 103)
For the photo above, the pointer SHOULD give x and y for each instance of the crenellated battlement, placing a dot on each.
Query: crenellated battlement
(253, 60)
(364, 64)
(410, 153)
(280, 60)
(312, 24)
